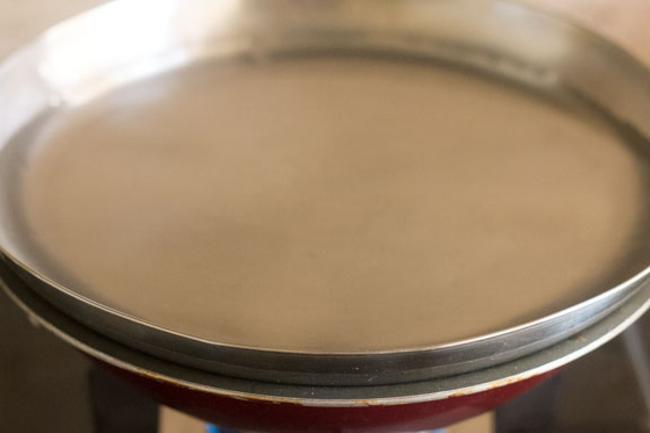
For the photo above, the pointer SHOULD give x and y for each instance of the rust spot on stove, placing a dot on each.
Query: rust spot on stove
(505, 382)
(368, 403)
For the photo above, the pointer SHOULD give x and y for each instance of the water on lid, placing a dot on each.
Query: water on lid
(331, 204)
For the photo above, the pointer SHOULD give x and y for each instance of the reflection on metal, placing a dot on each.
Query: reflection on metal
(126, 40)
(136, 362)
(637, 349)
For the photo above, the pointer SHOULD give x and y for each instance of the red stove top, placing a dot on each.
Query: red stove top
(607, 391)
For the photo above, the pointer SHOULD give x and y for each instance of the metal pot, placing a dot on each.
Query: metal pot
(411, 388)
(262, 406)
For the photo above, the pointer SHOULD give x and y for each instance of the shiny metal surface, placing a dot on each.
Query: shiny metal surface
(122, 357)
(63, 69)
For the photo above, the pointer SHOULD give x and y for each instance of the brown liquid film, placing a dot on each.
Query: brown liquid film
(331, 204)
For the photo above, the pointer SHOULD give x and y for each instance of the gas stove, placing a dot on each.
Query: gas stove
(47, 386)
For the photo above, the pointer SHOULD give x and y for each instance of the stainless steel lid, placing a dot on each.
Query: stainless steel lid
(333, 194)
